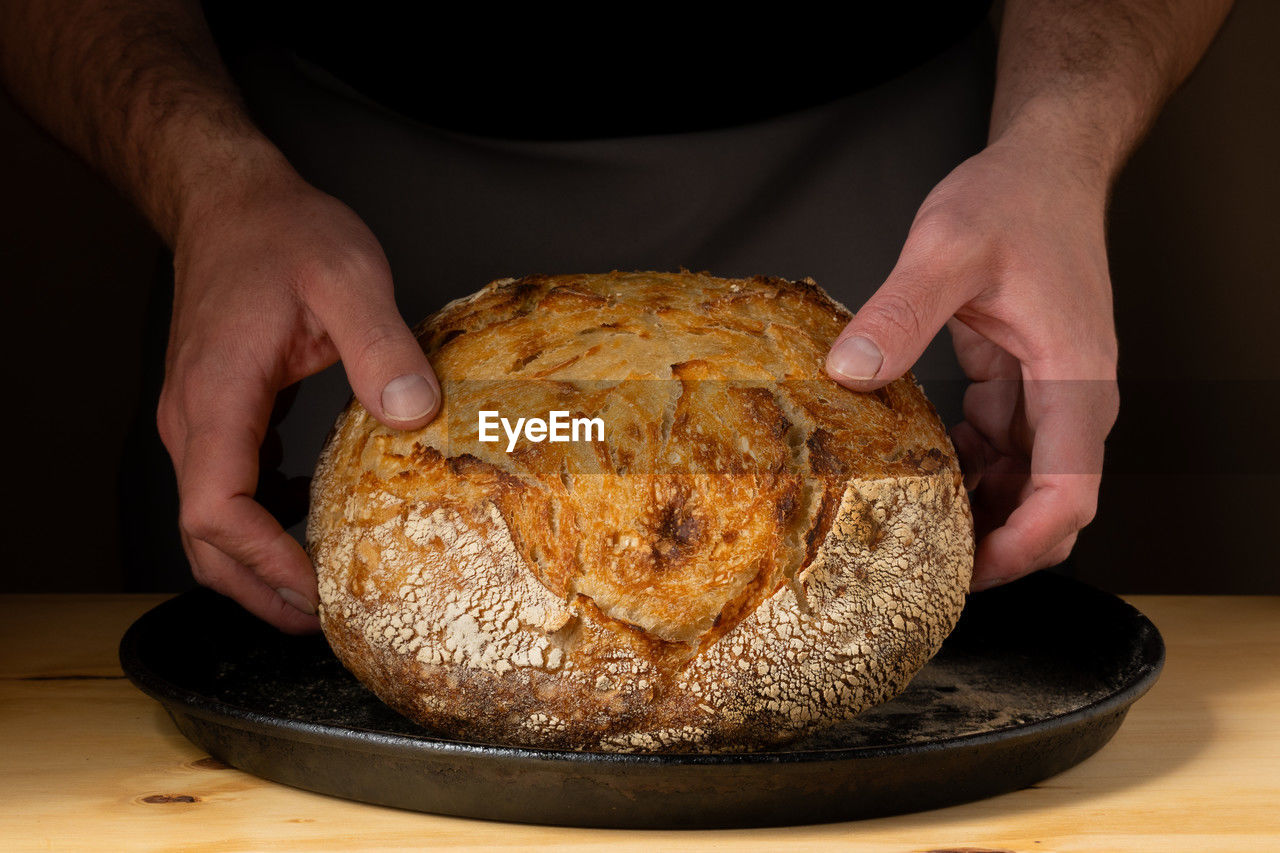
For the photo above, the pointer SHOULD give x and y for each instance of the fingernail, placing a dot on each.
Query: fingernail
(855, 358)
(408, 397)
(297, 601)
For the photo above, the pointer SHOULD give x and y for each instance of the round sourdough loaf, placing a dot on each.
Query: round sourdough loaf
(752, 551)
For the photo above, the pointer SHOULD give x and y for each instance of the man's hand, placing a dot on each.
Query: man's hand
(274, 280)
(1009, 252)
(273, 283)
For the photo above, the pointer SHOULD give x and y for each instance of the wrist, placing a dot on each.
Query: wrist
(185, 166)
(218, 179)
(1086, 142)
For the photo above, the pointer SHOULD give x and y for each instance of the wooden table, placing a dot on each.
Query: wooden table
(89, 762)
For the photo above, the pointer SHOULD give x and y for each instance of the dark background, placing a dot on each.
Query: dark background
(1192, 489)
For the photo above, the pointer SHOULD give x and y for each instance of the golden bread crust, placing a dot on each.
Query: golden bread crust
(751, 553)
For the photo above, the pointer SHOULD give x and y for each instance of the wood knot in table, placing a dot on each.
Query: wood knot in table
(169, 798)
(209, 763)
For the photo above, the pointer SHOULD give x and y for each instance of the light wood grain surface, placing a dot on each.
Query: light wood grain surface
(88, 762)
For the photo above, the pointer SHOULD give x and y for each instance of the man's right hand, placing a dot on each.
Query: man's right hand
(274, 282)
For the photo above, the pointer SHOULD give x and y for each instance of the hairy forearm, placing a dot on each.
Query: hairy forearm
(1091, 75)
(136, 88)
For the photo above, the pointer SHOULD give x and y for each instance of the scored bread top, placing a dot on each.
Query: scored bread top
(727, 458)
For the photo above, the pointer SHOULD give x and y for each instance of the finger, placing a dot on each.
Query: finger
(984, 579)
(234, 523)
(980, 358)
(994, 409)
(972, 450)
(1005, 485)
(894, 326)
(216, 570)
(1058, 554)
(218, 477)
(386, 367)
(1071, 420)
(1054, 512)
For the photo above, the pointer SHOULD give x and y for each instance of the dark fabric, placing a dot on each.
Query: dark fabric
(529, 75)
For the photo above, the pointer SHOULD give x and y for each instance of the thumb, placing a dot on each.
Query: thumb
(892, 329)
(386, 367)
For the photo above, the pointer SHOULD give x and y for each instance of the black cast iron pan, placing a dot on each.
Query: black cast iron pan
(1037, 677)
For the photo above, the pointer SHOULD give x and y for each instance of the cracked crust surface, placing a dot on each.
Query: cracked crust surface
(751, 553)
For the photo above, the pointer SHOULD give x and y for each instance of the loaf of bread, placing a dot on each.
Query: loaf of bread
(734, 552)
